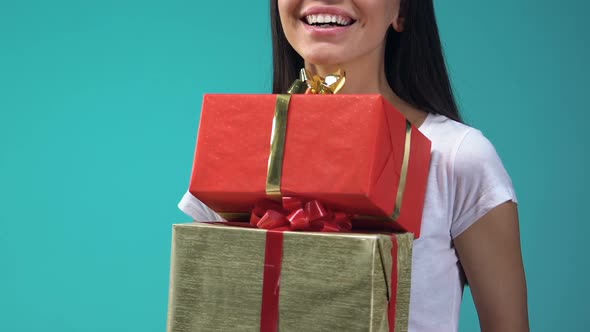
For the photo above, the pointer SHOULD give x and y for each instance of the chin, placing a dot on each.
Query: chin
(324, 58)
(322, 61)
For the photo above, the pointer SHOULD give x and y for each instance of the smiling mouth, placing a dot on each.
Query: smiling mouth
(327, 20)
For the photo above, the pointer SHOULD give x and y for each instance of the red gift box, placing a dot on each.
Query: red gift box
(347, 151)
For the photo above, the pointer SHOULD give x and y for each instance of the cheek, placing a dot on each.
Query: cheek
(288, 14)
(287, 9)
(379, 12)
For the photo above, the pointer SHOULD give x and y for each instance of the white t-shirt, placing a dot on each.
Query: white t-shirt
(466, 180)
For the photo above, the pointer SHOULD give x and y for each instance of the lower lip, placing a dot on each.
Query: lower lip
(326, 32)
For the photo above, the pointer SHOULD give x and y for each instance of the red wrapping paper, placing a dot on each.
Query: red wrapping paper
(343, 150)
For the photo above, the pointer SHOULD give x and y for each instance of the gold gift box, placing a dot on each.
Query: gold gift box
(328, 282)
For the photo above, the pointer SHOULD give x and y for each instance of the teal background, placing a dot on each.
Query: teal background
(99, 107)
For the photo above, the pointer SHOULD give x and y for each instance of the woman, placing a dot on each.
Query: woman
(470, 224)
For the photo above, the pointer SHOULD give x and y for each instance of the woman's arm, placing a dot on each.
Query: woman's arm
(490, 254)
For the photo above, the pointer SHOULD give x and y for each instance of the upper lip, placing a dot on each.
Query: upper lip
(327, 10)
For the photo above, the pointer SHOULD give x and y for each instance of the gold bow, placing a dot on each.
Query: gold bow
(315, 84)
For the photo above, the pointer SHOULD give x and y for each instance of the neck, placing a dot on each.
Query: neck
(366, 75)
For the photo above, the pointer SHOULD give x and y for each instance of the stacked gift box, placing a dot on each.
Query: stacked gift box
(325, 194)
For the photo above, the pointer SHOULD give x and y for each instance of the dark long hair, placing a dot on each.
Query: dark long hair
(414, 62)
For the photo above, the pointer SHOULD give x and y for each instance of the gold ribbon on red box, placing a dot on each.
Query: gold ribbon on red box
(306, 83)
(315, 84)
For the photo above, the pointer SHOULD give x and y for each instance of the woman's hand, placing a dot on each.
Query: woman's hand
(490, 254)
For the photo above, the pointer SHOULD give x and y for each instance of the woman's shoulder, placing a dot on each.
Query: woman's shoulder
(456, 139)
(465, 151)
(476, 173)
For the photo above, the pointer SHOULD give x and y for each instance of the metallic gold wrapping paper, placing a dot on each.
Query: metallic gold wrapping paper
(329, 281)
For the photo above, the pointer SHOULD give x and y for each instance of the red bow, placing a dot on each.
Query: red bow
(294, 215)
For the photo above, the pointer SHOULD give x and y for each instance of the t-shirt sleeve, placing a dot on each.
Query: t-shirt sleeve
(481, 181)
(197, 210)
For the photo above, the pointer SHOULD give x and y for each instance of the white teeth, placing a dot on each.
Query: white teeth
(326, 18)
